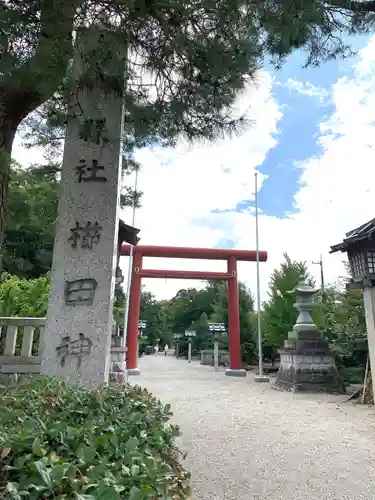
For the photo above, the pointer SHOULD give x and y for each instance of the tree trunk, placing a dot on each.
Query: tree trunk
(8, 128)
(28, 86)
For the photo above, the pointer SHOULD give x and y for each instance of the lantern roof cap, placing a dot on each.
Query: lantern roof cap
(361, 233)
(128, 234)
(303, 287)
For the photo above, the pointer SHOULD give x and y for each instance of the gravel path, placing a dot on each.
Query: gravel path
(246, 441)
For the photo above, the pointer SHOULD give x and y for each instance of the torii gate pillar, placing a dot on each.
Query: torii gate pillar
(133, 318)
(235, 358)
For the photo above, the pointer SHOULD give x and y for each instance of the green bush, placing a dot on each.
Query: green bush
(352, 374)
(68, 443)
(22, 297)
(248, 350)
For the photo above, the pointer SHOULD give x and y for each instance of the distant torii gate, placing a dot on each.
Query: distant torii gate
(230, 255)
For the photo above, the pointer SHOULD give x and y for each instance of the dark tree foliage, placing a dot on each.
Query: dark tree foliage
(31, 218)
(32, 210)
(279, 313)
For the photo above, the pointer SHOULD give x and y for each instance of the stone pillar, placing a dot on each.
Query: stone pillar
(306, 363)
(77, 341)
(138, 353)
(117, 369)
(369, 305)
(216, 354)
(189, 351)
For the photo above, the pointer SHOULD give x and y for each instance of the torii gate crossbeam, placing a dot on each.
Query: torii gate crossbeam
(230, 255)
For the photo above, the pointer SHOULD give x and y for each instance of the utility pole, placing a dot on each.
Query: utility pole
(260, 377)
(126, 312)
(320, 263)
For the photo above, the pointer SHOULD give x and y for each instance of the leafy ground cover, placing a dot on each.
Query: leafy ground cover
(68, 443)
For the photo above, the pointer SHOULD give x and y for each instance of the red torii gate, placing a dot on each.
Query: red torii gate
(230, 255)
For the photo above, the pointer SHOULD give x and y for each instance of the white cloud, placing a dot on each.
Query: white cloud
(305, 88)
(182, 186)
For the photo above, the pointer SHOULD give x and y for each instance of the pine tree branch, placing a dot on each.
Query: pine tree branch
(31, 83)
(357, 7)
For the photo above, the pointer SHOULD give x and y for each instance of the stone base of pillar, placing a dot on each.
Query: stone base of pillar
(261, 378)
(117, 369)
(300, 372)
(117, 378)
(134, 371)
(229, 372)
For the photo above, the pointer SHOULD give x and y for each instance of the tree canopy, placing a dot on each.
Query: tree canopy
(279, 314)
(186, 61)
(31, 217)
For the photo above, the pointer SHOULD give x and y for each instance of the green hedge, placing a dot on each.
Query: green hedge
(21, 297)
(68, 443)
(352, 374)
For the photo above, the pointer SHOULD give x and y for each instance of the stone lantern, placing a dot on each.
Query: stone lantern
(177, 337)
(190, 334)
(306, 363)
(126, 234)
(142, 324)
(217, 329)
(359, 244)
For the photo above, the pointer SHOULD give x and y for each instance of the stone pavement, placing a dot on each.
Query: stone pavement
(246, 441)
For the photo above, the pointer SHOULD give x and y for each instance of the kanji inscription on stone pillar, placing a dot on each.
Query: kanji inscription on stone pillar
(76, 346)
